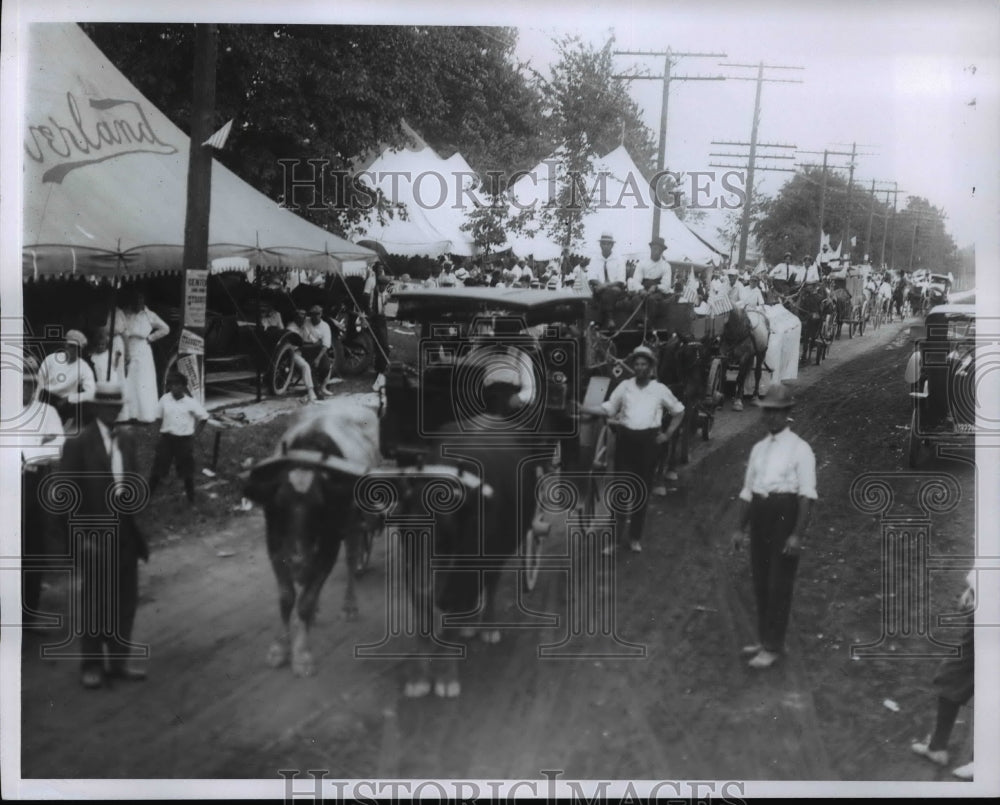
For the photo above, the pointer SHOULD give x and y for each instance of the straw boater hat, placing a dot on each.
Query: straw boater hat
(607, 237)
(108, 394)
(732, 272)
(778, 396)
(502, 374)
(76, 337)
(462, 274)
(642, 352)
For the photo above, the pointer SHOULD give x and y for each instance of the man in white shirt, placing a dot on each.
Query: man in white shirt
(784, 270)
(606, 269)
(317, 340)
(637, 406)
(655, 272)
(65, 380)
(752, 296)
(735, 289)
(810, 271)
(778, 489)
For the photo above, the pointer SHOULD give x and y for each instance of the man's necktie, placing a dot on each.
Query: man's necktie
(606, 271)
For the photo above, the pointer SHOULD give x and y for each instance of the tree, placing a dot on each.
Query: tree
(589, 113)
(921, 240)
(335, 93)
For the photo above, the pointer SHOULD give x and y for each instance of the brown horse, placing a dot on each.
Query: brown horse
(744, 341)
(682, 366)
(811, 304)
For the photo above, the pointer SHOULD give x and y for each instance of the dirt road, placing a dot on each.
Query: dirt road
(689, 709)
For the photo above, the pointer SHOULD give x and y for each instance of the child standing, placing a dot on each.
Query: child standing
(181, 418)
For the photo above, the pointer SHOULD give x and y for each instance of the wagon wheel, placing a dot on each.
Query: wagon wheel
(170, 368)
(829, 328)
(359, 352)
(862, 319)
(713, 388)
(913, 453)
(533, 542)
(282, 369)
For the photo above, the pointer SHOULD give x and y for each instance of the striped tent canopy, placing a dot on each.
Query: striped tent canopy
(105, 181)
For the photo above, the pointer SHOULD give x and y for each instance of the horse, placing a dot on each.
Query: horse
(899, 294)
(744, 338)
(682, 366)
(811, 304)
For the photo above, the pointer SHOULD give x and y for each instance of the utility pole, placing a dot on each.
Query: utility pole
(847, 218)
(752, 157)
(191, 349)
(661, 157)
(885, 232)
(871, 218)
(823, 191)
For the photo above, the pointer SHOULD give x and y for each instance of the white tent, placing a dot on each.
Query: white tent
(432, 191)
(105, 180)
(622, 205)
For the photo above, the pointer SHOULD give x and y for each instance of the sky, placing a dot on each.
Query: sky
(895, 78)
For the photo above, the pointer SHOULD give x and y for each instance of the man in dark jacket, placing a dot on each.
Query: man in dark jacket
(101, 463)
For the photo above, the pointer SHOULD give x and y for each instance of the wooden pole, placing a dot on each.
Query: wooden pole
(745, 225)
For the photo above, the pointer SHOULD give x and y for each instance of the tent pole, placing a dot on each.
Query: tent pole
(111, 334)
(260, 332)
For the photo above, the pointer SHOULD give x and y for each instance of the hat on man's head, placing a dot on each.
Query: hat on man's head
(642, 351)
(108, 393)
(788, 254)
(76, 337)
(501, 373)
(778, 396)
(607, 237)
(316, 310)
(462, 274)
(732, 272)
(658, 241)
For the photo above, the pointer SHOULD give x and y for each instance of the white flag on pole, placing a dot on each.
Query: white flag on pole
(218, 140)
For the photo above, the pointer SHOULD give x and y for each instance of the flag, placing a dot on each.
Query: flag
(218, 140)
(854, 242)
(690, 290)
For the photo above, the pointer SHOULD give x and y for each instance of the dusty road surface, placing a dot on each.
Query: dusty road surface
(687, 709)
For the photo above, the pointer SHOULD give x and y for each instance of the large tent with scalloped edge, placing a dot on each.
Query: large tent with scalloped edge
(105, 181)
(623, 207)
(432, 194)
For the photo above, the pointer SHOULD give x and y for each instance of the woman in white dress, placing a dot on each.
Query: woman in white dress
(139, 327)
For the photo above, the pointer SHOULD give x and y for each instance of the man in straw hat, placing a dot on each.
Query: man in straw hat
(637, 406)
(779, 486)
(654, 272)
(102, 463)
(606, 269)
(65, 380)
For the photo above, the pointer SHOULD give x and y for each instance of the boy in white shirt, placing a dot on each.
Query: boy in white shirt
(181, 418)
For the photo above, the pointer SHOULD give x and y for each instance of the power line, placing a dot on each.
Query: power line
(669, 57)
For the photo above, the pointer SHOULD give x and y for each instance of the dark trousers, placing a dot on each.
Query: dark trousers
(36, 523)
(772, 520)
(321, 370)
(109, 593)
(380, 329)
(636, 451)
(177, 451)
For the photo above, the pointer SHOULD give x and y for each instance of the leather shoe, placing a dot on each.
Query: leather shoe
(92, 678)
(752, 649)
(764, 659)
(938, 756)
(128, 673)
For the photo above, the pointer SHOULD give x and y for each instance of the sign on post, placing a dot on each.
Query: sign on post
(191, 347)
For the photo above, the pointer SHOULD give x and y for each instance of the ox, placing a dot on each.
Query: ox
(478, 490)
(307, 489)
